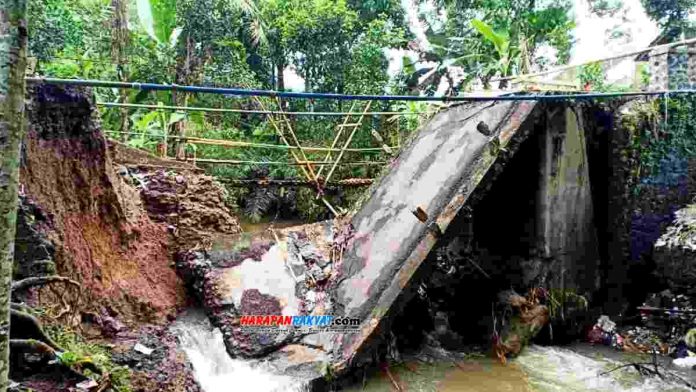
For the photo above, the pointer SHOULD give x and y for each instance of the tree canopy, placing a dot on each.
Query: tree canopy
(672, 15)
(340, 46)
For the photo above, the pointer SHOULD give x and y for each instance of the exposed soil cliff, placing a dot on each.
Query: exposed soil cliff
(102, 237)
(110, 218)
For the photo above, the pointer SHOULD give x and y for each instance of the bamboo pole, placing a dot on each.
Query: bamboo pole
(307, 174)
(601, 59)
(300, 163)
(338, 135)
(350, 138)
(309, 166)
(234, 143)
(297, 142)
(282, 137)
(231, 143)
(249, 111)
(348, 182)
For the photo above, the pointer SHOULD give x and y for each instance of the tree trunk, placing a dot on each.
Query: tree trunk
(13, 58)
(184, 71)
(119, 43)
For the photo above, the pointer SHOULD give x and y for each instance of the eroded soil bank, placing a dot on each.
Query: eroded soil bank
(111, 219)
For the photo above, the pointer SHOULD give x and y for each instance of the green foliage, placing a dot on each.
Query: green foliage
(158, 18)
(334, 45)
(367, 71)
(672, 16)
(499, 37)
(606, 7)
(369, 10)
(52, 26)
(74, 32)
(501, 43)
(690, 338)
(501, 40)
(80, 351)
(561, 299)
(660, 141)
(592, 76)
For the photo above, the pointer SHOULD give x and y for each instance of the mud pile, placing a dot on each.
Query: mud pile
(192, 205)
(97, 228)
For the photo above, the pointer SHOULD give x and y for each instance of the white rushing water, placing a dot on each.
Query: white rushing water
(545, 369)
(560, 369)
(213, 368)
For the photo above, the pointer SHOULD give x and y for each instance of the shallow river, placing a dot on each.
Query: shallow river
(537, 369)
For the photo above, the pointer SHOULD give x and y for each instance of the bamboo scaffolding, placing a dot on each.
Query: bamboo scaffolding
(339, 131)
(319, 188)
(346, 144)
(308, 175)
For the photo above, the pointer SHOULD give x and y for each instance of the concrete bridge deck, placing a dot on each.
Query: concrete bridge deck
(298, 270)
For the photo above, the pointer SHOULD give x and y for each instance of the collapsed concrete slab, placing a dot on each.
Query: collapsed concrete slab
(356, 268)
(412, 205)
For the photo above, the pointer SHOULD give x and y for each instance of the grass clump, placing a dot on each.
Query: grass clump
(78, 350)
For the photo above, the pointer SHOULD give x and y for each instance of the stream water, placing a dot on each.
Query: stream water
(213, 368)
(543, 369)
(537, 369)
(254, 227)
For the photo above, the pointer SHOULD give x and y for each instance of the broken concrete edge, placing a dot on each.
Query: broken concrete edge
(222, 279)
(425, 175)
(468, 184)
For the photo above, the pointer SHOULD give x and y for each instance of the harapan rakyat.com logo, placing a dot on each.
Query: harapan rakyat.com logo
(317, 323)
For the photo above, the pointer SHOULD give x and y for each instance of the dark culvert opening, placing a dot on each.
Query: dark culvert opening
(481, 255)
(493, 246)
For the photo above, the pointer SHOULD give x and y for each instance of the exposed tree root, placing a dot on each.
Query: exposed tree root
(25, 326)
(28, 337)
(40, 281)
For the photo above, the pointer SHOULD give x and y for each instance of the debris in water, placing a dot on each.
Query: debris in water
(143, 349)
(688, 362)
(529, 317)
(87, 385)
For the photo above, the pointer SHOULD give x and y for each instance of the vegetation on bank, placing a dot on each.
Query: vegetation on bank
(333, 46)
(77, 350)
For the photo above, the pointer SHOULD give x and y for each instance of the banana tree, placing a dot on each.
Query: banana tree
(195, 29)
(152, 129)
(504, 52)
